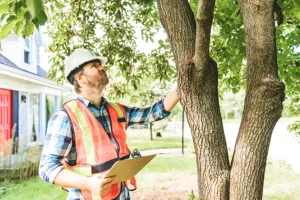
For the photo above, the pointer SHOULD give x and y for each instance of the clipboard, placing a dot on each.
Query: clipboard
(126, 169)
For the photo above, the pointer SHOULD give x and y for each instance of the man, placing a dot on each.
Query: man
(89, 132)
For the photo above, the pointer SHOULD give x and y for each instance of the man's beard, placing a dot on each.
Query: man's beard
(98, 83)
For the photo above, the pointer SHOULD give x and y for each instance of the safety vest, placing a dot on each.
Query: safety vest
(95, 152)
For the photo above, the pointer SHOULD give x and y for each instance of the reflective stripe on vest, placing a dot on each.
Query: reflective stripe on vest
(120, 112)
(86, 133)
(93, 146)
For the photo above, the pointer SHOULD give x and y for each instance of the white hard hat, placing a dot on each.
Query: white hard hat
(80, 57)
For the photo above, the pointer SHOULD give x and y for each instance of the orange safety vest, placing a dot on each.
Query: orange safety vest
(95, 152)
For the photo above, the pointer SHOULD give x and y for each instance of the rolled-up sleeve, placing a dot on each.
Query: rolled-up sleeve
(57, 145)
(146, 115)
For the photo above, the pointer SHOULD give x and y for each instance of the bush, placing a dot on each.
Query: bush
(20, 166)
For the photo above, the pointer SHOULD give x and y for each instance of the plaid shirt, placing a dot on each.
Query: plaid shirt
(59, 143)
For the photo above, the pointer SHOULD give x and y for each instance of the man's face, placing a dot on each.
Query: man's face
(95, 75)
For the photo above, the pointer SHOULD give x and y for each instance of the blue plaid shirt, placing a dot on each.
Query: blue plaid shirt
(59, 143)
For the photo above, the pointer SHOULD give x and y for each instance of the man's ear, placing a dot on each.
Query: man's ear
(79, 78)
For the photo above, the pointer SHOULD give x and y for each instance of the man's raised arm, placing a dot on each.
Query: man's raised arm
(171, 100)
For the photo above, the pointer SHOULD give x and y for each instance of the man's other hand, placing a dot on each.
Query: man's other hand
(99, 185)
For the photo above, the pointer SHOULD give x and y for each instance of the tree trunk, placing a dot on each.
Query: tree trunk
(198, 91)
(263, 102)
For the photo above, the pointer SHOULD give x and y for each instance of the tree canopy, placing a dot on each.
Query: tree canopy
(111, 28)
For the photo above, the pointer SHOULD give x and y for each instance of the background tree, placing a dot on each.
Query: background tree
(207, 62)
(109, 28)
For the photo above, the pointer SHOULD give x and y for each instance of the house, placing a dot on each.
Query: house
(27, 97)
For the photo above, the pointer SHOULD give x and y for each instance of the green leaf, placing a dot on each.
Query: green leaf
(5, 30)
(18, 6)
(52, 8)
(42, 18)
(28, 29)
(11, 18)
(238, 21)
(27, 16)
(19, 27)
(35, 7)
(59, 5)
(35, 21)
(3, 6)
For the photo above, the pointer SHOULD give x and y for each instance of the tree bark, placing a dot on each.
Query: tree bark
(198, 92)
(263, 102)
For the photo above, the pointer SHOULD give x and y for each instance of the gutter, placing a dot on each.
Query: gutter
(32, 78)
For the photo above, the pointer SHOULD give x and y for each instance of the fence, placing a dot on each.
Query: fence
(19, 166)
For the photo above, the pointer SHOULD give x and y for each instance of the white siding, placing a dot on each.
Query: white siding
(41, 137)
(13, 49)
(18, 85)
(23, 122)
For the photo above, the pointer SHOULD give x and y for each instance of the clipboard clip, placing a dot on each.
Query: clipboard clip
(136, 154)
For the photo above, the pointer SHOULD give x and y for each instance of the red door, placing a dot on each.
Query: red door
(5, 115)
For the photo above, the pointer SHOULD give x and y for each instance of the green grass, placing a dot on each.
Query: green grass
(281, 183)
(163, 173)
(140, 139)
(33, 189)
(170, 164)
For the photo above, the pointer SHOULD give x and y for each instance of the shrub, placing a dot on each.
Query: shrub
(19, 166)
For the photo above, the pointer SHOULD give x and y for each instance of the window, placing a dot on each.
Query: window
(27, 50)
(34, 117)
(50, 106)
(26, 40)
(26, 57)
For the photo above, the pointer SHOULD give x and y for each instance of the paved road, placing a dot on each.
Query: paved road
(284, 146)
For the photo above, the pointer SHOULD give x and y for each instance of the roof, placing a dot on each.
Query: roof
(7, 62)
(40, 71)
(8, 68)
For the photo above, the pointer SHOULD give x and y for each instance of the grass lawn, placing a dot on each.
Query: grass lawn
(140, 139)
(33, 189)
(163, 175)
(281, 183)
(167, 176)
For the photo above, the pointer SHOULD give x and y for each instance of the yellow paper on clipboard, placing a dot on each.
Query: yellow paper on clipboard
(126, 169)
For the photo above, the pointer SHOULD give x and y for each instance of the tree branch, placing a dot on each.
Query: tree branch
(204, 23)
(177, 19)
